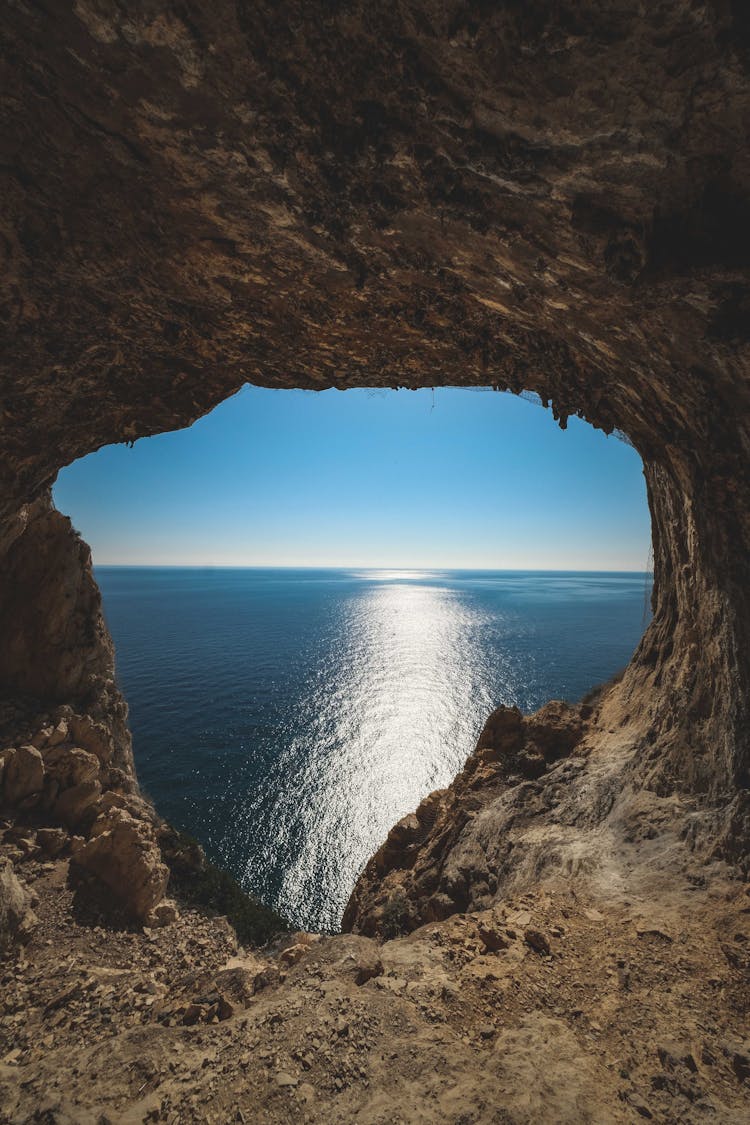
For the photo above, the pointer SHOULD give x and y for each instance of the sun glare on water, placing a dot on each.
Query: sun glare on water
(388, 717)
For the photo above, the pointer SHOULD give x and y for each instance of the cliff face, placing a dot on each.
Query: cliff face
(549, 196)
(55, 644)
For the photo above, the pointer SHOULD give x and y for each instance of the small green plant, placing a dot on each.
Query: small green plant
(396, 917)
(198, 882)
(595, 694)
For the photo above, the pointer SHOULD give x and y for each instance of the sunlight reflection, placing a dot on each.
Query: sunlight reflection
(389, 575)
(390, 716)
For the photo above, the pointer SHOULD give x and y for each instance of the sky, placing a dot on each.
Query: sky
(446, 479)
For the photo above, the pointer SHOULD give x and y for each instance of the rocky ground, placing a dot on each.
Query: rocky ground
(548, 1006)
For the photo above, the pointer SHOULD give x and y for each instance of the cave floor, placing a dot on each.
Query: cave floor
(548, 1007)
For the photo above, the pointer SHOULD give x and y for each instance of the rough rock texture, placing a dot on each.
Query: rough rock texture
(553, 800)
(456, 852)
(23, 774)
(123, 854)
(55, 645)
(57, 774)
(546, 1009)
(17, 919)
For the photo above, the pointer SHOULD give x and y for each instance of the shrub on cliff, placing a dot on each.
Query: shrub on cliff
(198, 882)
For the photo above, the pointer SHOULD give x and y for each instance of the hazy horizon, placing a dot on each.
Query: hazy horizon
(449, 479)
(400, 570)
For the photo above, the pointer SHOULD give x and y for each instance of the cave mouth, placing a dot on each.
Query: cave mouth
(288, 717)
(442, 209)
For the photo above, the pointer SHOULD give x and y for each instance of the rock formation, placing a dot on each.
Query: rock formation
(550, 196)
(17, 919)
(125, 856)
(455, 851)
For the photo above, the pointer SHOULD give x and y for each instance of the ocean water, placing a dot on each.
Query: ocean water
(288, 718)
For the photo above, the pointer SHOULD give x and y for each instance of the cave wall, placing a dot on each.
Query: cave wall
(551, 196)
(56, 649)
(55, 644)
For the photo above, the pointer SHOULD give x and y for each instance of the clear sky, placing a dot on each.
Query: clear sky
(449, 479)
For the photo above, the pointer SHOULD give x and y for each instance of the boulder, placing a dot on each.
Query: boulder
(17, 919)
(358, 959)
(492, 935)
(124, 855)
(93, 736)
(367, 966)
(555, 729)
(117, 779)
(165, 913)
(50, 735)
(292, 954)
(538, 941)
(244, 977)
(130, 802)
(51, 840)
(75, 804)
(58, 734)
(503, 731)
(71, 765)
(23, 776)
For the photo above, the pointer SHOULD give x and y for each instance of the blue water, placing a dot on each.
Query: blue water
(288, 718)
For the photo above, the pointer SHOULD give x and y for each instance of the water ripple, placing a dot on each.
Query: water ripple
(289, 719)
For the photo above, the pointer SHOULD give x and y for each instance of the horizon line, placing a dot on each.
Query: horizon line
(368, 566)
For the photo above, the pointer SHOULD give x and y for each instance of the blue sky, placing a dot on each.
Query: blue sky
(454, 478)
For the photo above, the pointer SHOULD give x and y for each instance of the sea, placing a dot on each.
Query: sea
(288, 718)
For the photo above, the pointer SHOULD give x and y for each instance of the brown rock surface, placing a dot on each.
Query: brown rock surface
(76, 803)
(23, 774)
(56, 648)
(70, 765)
(458, 851)
(123, 854)
(178, 1024)
(17, 919)
(52, 840)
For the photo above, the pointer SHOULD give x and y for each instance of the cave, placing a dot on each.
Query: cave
(547, 197)
(288, 707)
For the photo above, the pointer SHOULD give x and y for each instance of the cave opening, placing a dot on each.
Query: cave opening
(289, 706)
(548, 196)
